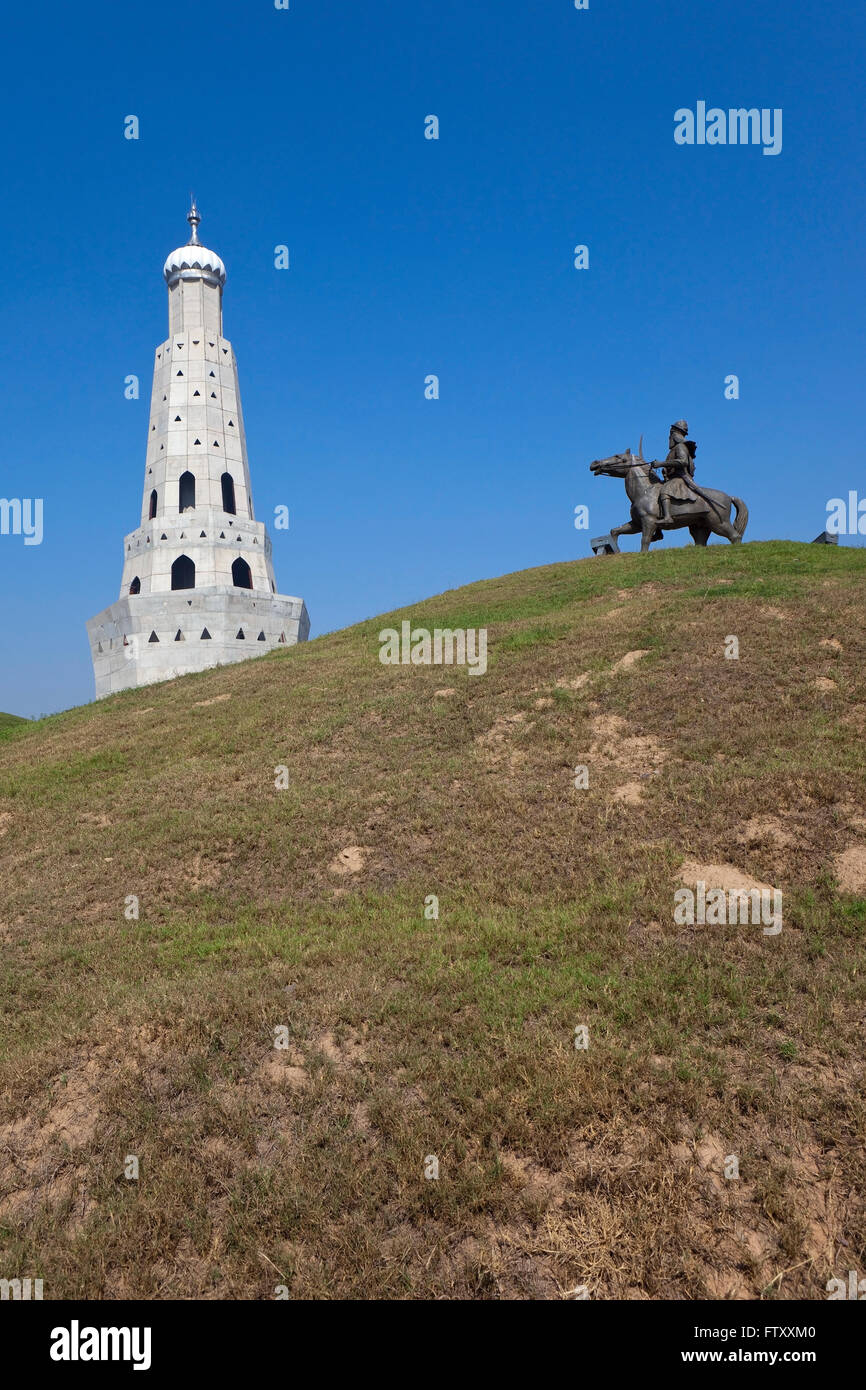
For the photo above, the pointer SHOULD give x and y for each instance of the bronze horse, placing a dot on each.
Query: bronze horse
(709, 513)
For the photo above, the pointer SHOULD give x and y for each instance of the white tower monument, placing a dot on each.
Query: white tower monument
(198, 584)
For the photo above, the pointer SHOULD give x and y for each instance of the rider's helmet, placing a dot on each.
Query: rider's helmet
(680, 426)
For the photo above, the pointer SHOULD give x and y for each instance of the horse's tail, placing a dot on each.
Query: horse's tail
(742, 520)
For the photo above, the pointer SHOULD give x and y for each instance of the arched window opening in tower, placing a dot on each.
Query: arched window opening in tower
(242, 576)
(152, 512)
(229, 505)
(186, 493)
(183, 573)
(135, 586)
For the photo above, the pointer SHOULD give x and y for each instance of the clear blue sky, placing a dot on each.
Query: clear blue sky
(411, 257)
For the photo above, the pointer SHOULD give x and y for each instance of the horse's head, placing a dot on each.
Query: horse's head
(619, 465)
(616, 466)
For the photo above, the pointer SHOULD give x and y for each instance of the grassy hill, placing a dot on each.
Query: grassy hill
(10, 721)
(410, 1036)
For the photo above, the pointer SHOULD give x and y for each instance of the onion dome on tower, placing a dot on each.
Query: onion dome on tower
(194, 261)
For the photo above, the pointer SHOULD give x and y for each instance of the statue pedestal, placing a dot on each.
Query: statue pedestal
(605, 545)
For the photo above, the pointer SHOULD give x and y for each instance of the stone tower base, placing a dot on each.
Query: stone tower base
(154, 637)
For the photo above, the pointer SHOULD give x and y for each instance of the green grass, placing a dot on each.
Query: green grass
(454, 1036)
(10, 725)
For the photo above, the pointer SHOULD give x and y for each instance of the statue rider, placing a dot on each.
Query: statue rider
(679, 467)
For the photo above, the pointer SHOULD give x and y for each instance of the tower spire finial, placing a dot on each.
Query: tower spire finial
(193, 219)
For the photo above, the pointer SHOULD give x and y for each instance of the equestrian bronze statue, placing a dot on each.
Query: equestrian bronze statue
(674, 500)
